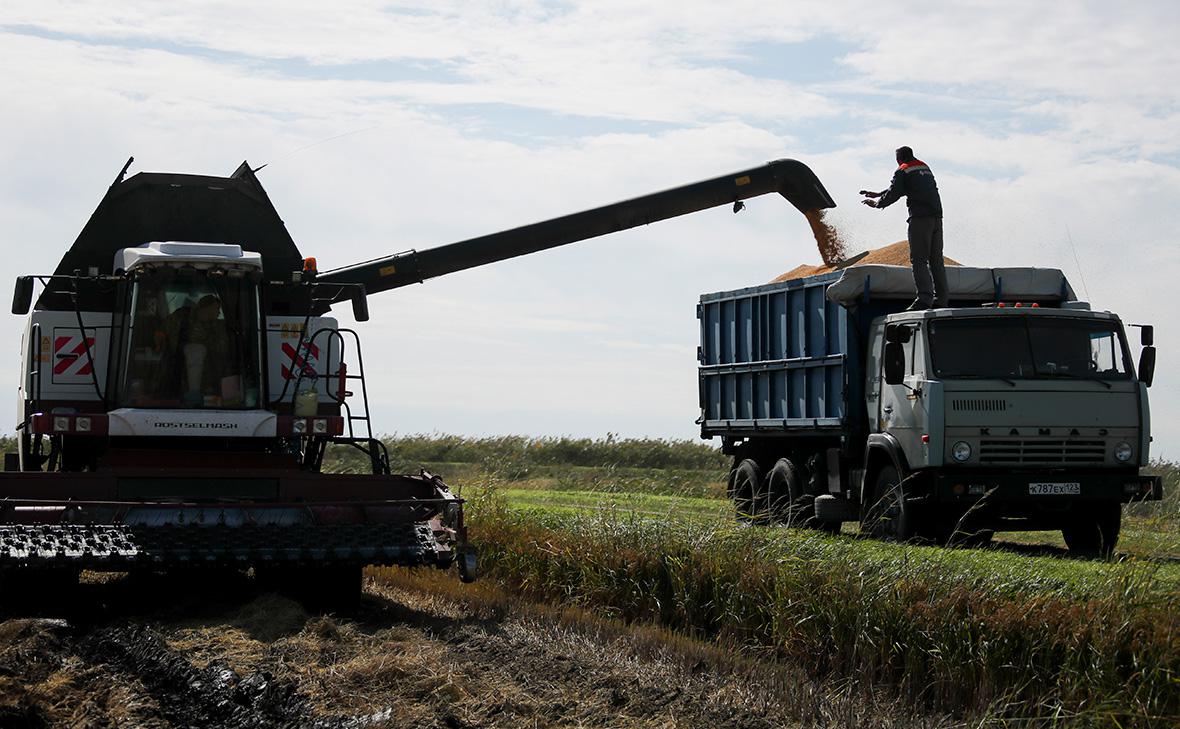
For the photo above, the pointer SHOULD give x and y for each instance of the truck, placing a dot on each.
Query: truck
(1016, 408)
(181, 379)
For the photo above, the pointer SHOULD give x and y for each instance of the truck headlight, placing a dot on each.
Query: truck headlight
(1123, 452)
(961, 451)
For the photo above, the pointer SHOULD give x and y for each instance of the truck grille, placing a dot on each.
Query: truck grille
(1060, 452)
(981, 404)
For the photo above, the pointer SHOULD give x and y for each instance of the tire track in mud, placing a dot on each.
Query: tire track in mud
(187, 696)
(418, 651)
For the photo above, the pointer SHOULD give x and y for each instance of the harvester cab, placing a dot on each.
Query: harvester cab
(182, 379)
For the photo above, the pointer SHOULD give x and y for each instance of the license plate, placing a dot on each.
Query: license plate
(1055, 489)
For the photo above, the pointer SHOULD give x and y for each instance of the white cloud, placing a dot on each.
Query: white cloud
(1034, 123)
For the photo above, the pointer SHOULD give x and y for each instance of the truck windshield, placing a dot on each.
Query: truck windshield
(1026, 347)
(192, 343)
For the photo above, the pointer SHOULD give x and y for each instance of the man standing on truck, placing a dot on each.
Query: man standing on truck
(914, 181)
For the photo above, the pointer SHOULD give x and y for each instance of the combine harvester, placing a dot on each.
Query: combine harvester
(181, 380)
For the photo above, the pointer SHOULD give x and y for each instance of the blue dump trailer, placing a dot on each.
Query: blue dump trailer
(1016, 408)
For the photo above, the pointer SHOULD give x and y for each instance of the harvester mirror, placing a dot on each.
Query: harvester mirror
(360, 304)
(1147, 335)
(1147, 365)
(894, 363)
(22, 297)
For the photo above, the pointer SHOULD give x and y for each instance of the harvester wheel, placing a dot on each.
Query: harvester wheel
(39, 591)
(340, 587)
(747, 482)
(320, 589)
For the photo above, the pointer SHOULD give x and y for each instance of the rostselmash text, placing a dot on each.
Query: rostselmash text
(202, 426)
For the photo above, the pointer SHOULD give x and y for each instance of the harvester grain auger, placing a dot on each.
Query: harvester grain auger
(181, 381)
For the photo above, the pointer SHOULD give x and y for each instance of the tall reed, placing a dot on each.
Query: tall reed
(964, 631)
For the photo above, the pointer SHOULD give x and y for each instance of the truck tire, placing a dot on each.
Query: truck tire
(747, 483)
(788, 500)
(1093, 529)
(889, 517)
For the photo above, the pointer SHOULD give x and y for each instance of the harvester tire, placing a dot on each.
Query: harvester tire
(49, 591)
(319, 589)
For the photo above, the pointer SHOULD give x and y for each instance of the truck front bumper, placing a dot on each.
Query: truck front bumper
(967, 486)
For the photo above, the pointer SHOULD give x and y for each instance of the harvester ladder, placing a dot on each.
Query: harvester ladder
(358, 425)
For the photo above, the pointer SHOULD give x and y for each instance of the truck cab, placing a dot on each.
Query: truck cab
(1024, 417)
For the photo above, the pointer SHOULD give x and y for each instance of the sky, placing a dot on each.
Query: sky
(387, 126)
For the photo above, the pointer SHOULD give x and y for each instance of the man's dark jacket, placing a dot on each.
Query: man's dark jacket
(915, 182)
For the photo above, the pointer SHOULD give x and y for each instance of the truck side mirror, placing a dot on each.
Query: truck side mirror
(1147, 335)
(1147, 365)
(22, 297)
(894, 363)
(898, 333)
(360, 304)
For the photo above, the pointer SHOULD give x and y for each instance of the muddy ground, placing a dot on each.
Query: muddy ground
(419, 651)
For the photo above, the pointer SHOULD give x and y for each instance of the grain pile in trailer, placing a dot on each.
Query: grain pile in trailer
(897, 254)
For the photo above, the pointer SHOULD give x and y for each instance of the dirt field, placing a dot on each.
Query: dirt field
(420, 650)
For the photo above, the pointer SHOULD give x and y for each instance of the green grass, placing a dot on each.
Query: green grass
(517, 456)
(656, 506)
(1007, 566)
(1018, 630)
(961, 630)
(641, 530)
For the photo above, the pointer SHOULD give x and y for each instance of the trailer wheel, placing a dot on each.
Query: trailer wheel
(1093, 529)
(747, 483)
(889, 517)
(788, 500)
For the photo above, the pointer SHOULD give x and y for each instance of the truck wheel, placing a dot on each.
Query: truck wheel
(888, 516)
(788, 500)
(747, 483)
(1093, 529)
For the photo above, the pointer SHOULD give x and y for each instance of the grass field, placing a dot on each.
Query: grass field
(636, 538)
(1015, 631)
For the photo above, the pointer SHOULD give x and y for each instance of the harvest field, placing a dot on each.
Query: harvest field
(617, 590)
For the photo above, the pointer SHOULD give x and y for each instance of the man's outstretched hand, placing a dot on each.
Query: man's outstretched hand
(870, 203)
(868, 193)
